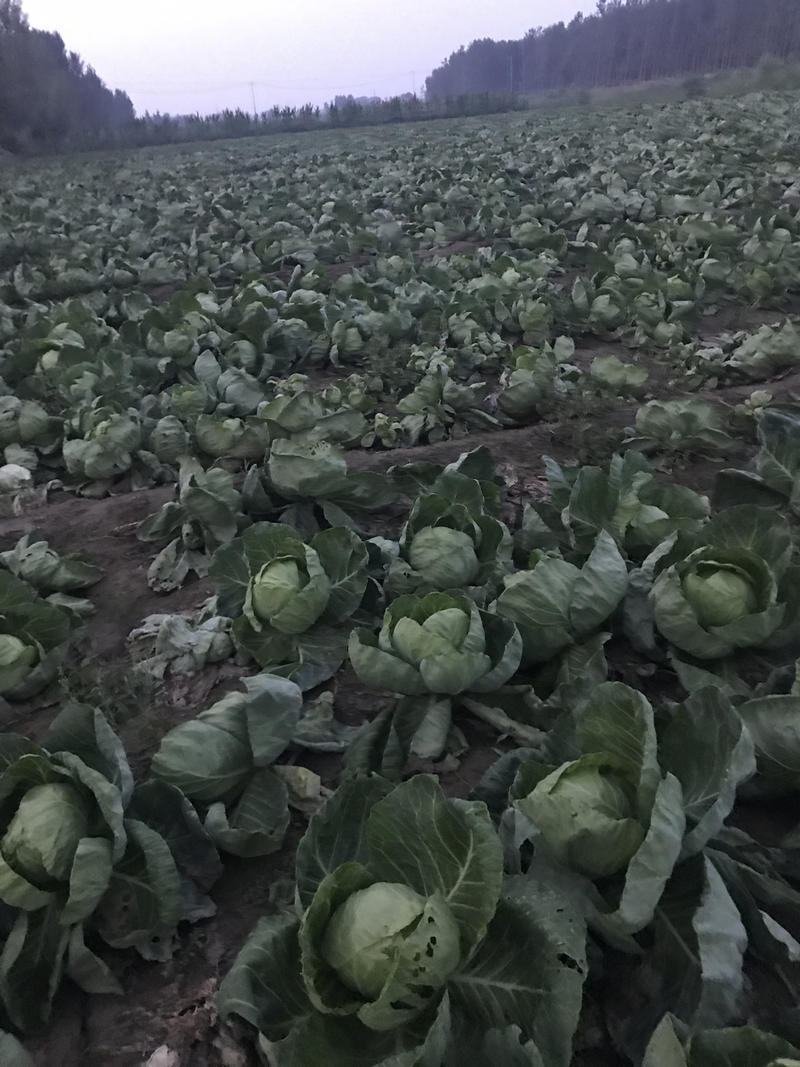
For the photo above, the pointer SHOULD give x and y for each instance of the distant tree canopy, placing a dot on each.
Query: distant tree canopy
(626, 41)
(340, 113)
(48, 97)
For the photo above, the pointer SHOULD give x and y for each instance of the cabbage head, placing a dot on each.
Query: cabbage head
(289, 592)
(719, 593)
(381, 928)
(44, 832)
(287, 598)
(444, 558)
(169, 439)
(16, 661)
(586, 813)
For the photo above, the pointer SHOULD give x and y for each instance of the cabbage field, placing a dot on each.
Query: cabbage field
(400, 596)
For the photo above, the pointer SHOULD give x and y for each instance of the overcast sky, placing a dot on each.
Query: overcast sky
(195, 55)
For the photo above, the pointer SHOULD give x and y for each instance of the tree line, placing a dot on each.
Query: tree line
(50, 100)
(48, 97)
(626, 41)
(342, 113)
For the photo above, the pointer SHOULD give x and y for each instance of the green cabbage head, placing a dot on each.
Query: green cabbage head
(42, 837)
(380, 951)
(586, 813)
(719, 593)
(169, 439)
(17, 659)
(275, 585)
(444, 558)
(377, 927)
(290, 592)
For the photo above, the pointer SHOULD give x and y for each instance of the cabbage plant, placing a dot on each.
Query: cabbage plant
(610, 374)
(620, 807)
(108, 446)
(404, 932)
(57, 578)
(222, 760)
(227, 436)
(774, 480)
(449, 542)
(541, 376)
(440, 643)
(442, 648)
(730, 587)
(206, 513)
(288, 598)
(42, 567)
(310, 417)
(181, 643)
(624, 499)
(438, 403)
(734, 1046)
(27, 431)
(34, 636)
(679, 426)
(307, 484)
(82, 849)
(555, 604)
(766, 352)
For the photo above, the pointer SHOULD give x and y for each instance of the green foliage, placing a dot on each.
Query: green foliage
(742, 1046)
(449, 542)
(440, 643)
(623, 44)
(222, 761)
(288, 599)
(405, 933)
(556, 604)
(33, 639)
(732, 590)
(82, 849)
(233, 325)
(75, 96)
